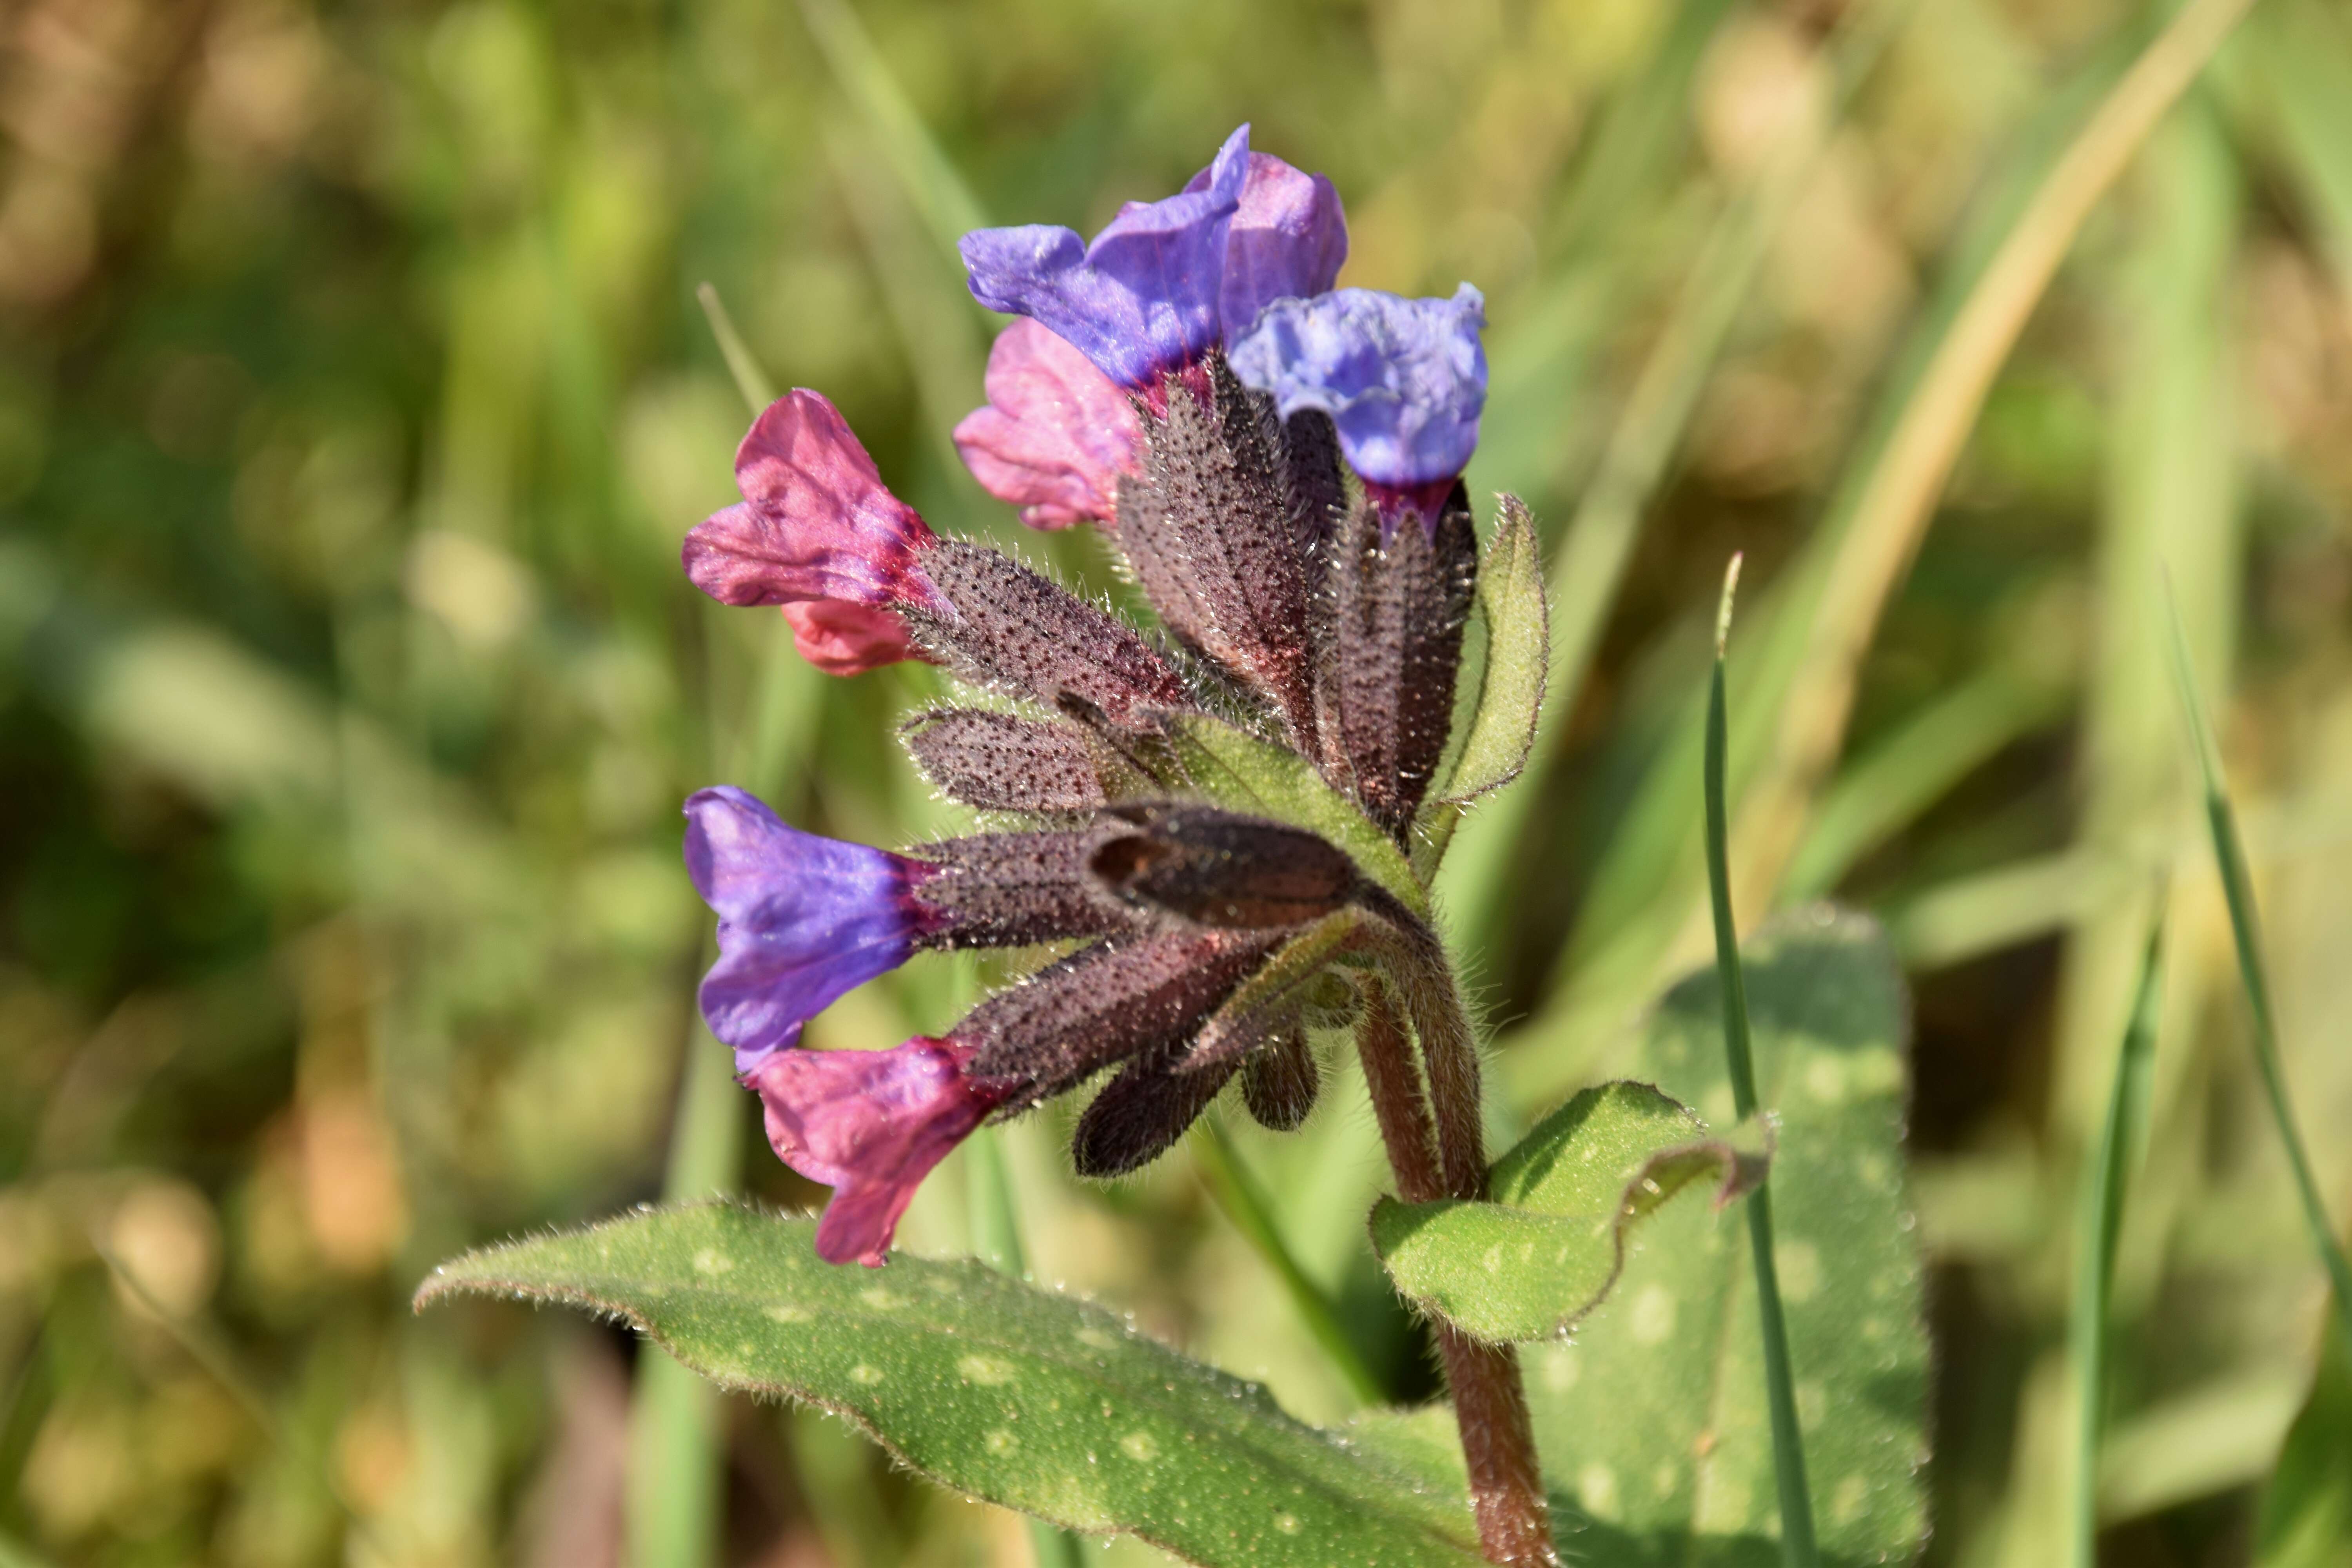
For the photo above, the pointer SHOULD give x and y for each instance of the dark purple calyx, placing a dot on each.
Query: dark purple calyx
(1140, 1113)
(1016, 889)
(1218, 868)
(1119, 999)
(1008, 629)
(1003, 762)
(1400, 600)
(1281, 1080)
(1211, 533)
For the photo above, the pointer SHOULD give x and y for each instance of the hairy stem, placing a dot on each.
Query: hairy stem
(1490, 1403)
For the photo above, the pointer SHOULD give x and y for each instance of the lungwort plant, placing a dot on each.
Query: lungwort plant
(1216, 839)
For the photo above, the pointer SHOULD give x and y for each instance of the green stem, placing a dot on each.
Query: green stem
(674, 1495)
(1797, 1543)
(749, 379)
(2099, 1226)
(2230, 857)
(996, 1235)
(1245, 1203)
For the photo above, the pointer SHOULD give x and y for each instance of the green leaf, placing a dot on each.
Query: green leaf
(2306, 1519)
(1654, 1422)
(999, 1391)
(1518, 650)
(1237, 770)
(1546, 1247)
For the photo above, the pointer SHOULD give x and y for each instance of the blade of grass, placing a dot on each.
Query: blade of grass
(673, 1502)
(1804, 673)
(1244, 1203)
(948, 207)
(1914, 767)
(749, 379)
(1637, 899)
(209, 1350)
(1899, 501)
(1598, 540)
(2237, 888)
(996, 1235)
(1983, 912)
(941, 339)
(1797, 1544)
(2301, 60)
(2099, 1219)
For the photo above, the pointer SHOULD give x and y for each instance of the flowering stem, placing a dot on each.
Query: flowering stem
(1442, 1158)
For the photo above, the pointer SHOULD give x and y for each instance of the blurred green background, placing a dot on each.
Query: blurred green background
(354, 398)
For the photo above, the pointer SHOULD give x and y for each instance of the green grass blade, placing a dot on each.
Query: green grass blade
(2229, 859)
(996, 1235)
(674, 1494)
(1244, 1203)
(1913, 768)
(1598, 544)
(1797, 1543)
(205, 1347)
(2099, 1226)
(749, 379)
(949, 208)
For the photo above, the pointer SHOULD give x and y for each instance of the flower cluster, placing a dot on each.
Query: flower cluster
(1191, 380)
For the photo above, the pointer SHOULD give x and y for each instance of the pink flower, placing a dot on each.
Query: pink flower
(1055, 434)
(870, 1125)
(819, 533)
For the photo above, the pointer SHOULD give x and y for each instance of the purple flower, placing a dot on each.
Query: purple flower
(1056, 434)
(1168, 280)
(1404, 380)
(870, 1125)
(1141, 301)
(1287, 239)
(802, 919)
(819, 533)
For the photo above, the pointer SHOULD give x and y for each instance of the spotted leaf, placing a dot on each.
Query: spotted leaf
(996, 1389)
(1654, 1421)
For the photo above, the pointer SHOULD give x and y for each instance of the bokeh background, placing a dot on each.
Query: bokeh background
(354, 397)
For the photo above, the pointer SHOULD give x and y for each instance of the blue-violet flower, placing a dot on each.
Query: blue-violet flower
(1166, 281)
(802, 919)
(1404, 381)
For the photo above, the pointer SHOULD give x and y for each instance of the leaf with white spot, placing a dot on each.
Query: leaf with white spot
(1654, 1421)
(1039, 1402)
(1548, 1244)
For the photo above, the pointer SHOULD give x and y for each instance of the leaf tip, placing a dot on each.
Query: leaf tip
(1723, 607)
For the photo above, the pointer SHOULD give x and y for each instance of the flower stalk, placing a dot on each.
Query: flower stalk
(1442, 1156)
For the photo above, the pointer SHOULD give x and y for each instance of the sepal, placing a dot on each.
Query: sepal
(1216, 868)
(1002, 761)
(1400, 599)
(1502, 726)
(1010, 630)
